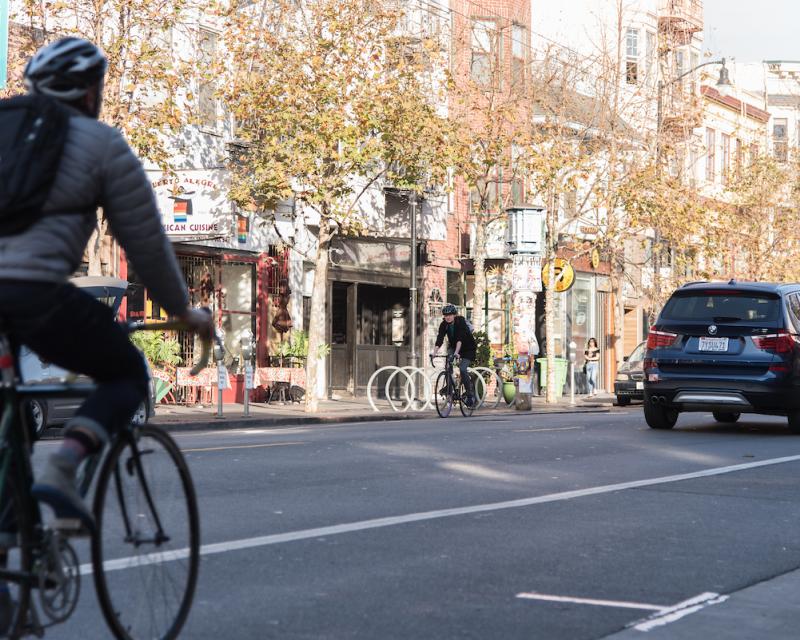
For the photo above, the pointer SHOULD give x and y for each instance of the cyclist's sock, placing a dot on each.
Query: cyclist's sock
(72, 450)
(56, 486)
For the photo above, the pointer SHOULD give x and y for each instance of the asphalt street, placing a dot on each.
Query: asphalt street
(563, 526)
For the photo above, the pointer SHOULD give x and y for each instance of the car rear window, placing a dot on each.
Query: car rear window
(716, 306)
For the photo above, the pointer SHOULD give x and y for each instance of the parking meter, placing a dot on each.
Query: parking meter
(572, 357)
(247, 355)
(222, 376)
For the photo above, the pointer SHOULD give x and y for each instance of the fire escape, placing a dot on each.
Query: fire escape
(678, 22)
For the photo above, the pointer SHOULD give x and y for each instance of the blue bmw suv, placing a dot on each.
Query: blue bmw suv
(725, 347)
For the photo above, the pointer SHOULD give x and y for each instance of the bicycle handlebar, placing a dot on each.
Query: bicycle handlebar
(178, 325)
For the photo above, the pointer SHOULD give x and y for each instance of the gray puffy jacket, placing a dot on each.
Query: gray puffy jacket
(97, 169)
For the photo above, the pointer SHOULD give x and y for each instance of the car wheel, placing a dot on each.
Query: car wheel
(623, 401)
(141, 416)
(726, 416)
(37, 416)
(794, 421)
(659, 416)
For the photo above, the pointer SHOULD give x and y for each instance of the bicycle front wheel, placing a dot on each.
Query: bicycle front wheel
(146, 551)
(443, 395)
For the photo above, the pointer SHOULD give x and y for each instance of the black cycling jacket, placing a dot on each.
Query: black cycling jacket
(460, 332)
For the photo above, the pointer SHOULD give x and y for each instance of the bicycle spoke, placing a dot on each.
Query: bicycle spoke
(146, 523)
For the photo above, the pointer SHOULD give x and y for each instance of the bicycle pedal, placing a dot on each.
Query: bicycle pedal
(70, 527)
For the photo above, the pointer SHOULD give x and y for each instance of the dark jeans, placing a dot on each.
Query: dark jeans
(73, 330)
(463, 365)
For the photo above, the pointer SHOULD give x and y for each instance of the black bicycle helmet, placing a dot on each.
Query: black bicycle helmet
(449, 309)
(65, 69)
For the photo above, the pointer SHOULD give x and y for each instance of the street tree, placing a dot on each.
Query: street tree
(753, 231)
(145, 93)
(332, 100)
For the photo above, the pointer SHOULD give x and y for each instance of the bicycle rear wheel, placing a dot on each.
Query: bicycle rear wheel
(18, 542)
(466, 409)
(443, 395)
(146, 551)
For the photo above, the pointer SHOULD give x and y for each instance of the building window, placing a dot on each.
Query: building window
(455, 288)
(755, 151)
(739, 158)
(726, 157)
(519, 48)
(632, 56)
(485, 52)
(680, 64)
(711, 154)
(650, 55)
(206, 102)
(780, 139)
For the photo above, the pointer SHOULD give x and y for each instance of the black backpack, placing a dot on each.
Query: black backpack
(33, 129)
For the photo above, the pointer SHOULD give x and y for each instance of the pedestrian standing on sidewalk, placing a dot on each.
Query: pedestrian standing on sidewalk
(592, 355)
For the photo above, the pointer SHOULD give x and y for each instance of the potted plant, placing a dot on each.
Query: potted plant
(298, 348)
(163, 355)
(505, 368)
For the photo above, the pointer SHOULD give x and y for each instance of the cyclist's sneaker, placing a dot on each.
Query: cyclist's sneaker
(57, 488)
(469, 401)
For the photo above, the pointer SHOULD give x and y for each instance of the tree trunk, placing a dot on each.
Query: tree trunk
(316, 329)
(479, 289)
(94, 250)
(549, 298)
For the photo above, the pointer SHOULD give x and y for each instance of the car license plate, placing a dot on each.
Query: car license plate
(713, 344)
(639, 386)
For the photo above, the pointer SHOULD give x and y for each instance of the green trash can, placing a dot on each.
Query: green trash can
(561, 367)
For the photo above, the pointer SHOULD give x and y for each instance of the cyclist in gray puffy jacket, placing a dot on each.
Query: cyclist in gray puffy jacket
(41, 309)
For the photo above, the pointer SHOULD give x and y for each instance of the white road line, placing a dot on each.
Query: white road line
(600, 603)
(680, 610)
(244, 446)
(377, 523)
(553, 429)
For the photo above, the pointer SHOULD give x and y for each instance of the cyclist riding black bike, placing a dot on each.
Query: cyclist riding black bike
(460, 342)
(62, 324)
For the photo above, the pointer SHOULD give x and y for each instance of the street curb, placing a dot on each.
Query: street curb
(223, 424)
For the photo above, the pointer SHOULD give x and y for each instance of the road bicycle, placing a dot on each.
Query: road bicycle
(447, 390)
(146, 545)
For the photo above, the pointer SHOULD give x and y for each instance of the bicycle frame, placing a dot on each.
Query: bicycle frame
(452, 385)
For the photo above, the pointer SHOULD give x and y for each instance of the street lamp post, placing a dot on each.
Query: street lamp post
(412, 290)
(723, 83)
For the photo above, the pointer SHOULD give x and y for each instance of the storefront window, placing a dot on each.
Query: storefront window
(238, 310)
(581, 316)
(380, 312)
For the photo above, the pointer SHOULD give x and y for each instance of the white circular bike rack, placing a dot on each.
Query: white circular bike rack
(426, 389)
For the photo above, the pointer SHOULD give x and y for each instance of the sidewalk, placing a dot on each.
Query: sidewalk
(331, 411)
(767, 609)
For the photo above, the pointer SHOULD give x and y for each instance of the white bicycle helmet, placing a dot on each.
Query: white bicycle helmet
(65, 69)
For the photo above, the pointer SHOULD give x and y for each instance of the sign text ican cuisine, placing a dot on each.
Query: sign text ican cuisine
(191, 204)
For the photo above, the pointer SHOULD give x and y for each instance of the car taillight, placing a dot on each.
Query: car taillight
(781, 342)
(657, 339)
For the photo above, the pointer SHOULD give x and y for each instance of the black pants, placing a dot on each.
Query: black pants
(73, 330)
(463, 365)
